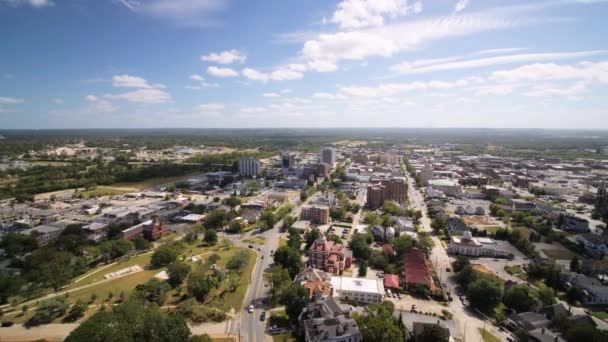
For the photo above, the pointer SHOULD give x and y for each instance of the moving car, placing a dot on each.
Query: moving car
(263, 316)
(250, 309)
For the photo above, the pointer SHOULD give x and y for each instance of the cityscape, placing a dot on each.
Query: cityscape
(316, 171)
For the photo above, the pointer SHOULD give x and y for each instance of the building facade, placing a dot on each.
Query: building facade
(288, 159)
(393, 189)
(249, 167)
(360, 290)
(328, 156)
(315, 214)
(328, 256)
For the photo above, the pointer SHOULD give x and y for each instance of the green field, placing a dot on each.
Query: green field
(283, 338)
(559, 254)
(517, 271)
(258, 240)
(142, 260)
(603, 315)
(487, 336)
(103, 191)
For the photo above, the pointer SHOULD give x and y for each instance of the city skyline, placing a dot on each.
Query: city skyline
(350, 63)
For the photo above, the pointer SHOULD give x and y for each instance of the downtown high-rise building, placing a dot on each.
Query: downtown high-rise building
(249, 167)
(328, 156)
(288, 159)
(393, 189)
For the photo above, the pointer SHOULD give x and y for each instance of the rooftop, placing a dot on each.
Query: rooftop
(357, 284)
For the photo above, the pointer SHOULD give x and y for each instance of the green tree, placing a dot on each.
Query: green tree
(311, 236)
(575, 264)
(216, 219)
(238, 261)
(210, 237)
(362, 269)
(294, 239)
(360, 247)
(371, 219)
(402, 244)
(290, 259)
(77, 310)
(199, 285)
(9, 286)
(232, 201)
(279, 280)
(236, 226)
(460, 263)
(49, 310)
(164, 255)
(154, 291)
(377, 323)
(295, 299)
(177, 273)
(484, 294)
(141, 244)
(433, 333)
(521, 298)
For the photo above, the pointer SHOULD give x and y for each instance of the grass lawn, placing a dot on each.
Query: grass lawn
(558, 254)
(491, 229)
(102, 191)
(258, 240)
(223, 299)
(525, 231)
(487, 336)
(142, 260)
(603, 315)
(517, 271)
(283, 338)
(282, 242)
(124, 284)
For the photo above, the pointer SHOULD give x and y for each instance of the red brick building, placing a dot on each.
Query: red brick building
(393, 189)
(315, 214)
(328, 256)
(416, 270)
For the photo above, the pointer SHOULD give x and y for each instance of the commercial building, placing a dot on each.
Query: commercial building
(150, 229)
(288, 159)
(328, 256)
(447, 186)
(392, 189)
(426, 174)
(249, 167)
(475, 247)
(360, 290)
(328, 156)
(44, 234)
(416, 270)
(315, 214)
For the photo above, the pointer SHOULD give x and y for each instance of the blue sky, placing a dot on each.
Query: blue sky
(308, 63)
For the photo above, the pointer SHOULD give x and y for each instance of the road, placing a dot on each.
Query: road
(248, 326)
(468, 322)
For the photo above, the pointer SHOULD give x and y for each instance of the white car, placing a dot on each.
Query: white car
(250, 309)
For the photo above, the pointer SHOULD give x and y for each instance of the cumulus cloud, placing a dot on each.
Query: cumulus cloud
(221, 72)
(128, 81)
(587, 71)
(282, 73)
(325, 51)
(225, 57)
(271, 95)
(10, 100)
(365, 13)
(393, 89)
(146, 96)
(461, 5)
(196, 77)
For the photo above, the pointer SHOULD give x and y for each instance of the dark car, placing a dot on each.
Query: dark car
(7, 324)
(250, 246)
(263, 316)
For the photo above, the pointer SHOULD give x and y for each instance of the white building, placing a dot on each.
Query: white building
(44, 234)
(249, 167)
(475, 247)
(328, 156)
(360, 290)
(447, 186)
(426, 174)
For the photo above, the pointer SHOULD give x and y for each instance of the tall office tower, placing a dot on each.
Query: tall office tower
(376, 195)
(288, 159)
(249, 167)
(328, 156)
(396, 189)
(426, 174)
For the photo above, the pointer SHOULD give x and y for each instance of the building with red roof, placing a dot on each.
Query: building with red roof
(328, 256)
(416, 270)
(391, 281)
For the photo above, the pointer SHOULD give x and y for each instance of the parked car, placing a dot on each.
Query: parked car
(250, 246)
(250, 309)
(7, 324)
(263, 316)
(447, 269)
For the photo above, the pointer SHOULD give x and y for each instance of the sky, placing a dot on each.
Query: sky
(303, 63)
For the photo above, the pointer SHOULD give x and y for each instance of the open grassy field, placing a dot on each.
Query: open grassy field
(223, 299)
(258, 240)
(97, 274)
(603, 315)
(559, 254)
(282, 242)
(283, 338)
(517, 271)
(103, 191)
(525, 231)
(487, 336)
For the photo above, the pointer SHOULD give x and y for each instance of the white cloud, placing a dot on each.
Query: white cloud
(327, 96)
(551, 90)
(500, 51)
(225, 57)
(31, 3)
(211, 108)
(182, 12)
(128, 81)
(366, 13)
(249, 110)
(393, 89)
(457, 63)
(91, 98)
(221, 72)
(271, 95)
(329, 49)
(286, 91)
(10, 100)
(496, 89)
(282, 73)
(464, 100)
(196, 77)
(587, 71)
(57, 100)
(461, 5)
(147, 96)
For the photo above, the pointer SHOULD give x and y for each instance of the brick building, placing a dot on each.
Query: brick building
(328, 256)
(315, 214)
(393, 189)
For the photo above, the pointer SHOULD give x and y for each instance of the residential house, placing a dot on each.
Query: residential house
(325, 320)
(595, 245)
